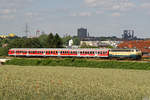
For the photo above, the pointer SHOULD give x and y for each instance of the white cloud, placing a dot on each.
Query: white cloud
(7, 17)
(145, 5)
(82, 14)
(7, 11)
(85, 14)
(14, 3)
(116, 14)
(121, 5)
(99, 12)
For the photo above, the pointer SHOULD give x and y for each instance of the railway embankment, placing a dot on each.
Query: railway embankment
(3, 60)
(73, 62)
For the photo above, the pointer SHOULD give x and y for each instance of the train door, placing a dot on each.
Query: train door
(96, 53)
(58, 52)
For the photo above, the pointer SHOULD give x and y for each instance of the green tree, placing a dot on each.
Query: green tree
(16, 43)
(32, 43)
(66, 40)
(58, 43)
(43, 40)
(50, 41)
(76, 40)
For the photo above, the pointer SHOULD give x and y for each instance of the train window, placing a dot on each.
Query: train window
(120, 50)
(104, 52)
(101, 52)
(56, 51)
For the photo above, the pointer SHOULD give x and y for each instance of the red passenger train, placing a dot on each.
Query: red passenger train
(63, 52)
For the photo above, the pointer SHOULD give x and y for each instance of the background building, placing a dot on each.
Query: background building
(128, 35)
(82, 33)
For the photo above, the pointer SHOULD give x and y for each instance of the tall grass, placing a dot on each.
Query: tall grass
(69, 83)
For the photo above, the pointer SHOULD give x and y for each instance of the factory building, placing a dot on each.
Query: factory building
(128, 35)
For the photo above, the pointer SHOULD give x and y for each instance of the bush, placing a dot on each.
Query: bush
(3, 51)
(79, 63)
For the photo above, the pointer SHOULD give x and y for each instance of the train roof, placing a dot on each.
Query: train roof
(59, 49)
(124, 49)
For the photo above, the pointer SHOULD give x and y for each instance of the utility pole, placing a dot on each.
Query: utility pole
(27, 30)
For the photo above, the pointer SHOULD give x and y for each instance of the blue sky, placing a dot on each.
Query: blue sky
(101, 17)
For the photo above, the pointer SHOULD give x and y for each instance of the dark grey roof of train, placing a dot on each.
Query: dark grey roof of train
(60, 49)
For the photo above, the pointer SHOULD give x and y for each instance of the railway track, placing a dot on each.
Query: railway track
(88, 59)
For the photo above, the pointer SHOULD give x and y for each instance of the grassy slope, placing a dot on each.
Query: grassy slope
(67, 83)
(79, 63)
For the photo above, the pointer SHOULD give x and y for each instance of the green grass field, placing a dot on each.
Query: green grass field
(70, 83)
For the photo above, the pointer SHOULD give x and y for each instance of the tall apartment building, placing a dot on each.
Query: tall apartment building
(82, 33)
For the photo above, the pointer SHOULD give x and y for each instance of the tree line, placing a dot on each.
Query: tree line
(43, 41)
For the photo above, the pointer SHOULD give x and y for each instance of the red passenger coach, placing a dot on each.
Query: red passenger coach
(64, 52)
